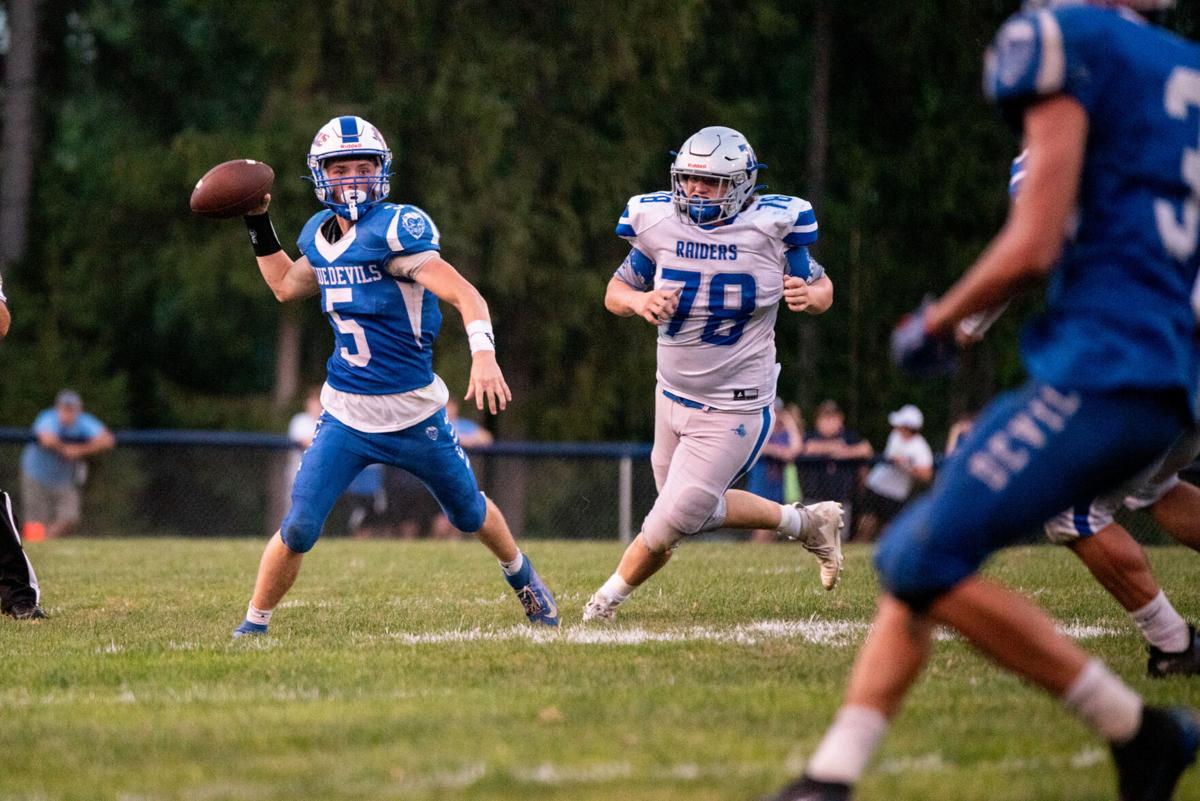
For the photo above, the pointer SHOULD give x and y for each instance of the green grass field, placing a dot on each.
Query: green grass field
(404, 670)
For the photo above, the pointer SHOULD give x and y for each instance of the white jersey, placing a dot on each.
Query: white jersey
(719, 348)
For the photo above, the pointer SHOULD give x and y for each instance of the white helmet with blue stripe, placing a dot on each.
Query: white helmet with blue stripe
(350, 137)
(714, 152)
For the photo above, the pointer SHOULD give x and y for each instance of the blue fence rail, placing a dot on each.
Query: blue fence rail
(213, 483)
(193, 482)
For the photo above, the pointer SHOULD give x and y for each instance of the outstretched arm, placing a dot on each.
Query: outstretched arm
(5, 319)
(1031, 241)
(288, 279)
(487, 381)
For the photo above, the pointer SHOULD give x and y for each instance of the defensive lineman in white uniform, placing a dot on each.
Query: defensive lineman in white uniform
(710, 262)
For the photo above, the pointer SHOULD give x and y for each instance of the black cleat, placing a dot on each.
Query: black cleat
(26, 612)
(1149, 765)
(1183, 663)
(806, 789)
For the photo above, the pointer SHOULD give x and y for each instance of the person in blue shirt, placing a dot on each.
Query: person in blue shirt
(378, 272)
(1109, 106)
(20, 595)
(53, 466)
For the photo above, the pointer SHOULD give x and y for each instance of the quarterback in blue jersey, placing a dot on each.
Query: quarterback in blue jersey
(377, 269)
(1110, 110)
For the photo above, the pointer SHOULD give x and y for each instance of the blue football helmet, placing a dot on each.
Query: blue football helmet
(350, 137)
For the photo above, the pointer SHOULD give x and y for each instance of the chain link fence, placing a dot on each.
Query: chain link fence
(210, 484)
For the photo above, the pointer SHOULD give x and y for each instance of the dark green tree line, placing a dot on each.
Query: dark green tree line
(521, 127)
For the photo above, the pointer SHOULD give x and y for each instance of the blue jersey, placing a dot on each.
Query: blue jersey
(1118, 311)
(384, 326)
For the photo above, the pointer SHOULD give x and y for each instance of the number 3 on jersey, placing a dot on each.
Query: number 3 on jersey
(362, 354)
(1181, 232)
(718, 312)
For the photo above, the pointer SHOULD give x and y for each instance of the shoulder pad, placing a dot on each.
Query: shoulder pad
(784, 217)
(1042, 53)
(309, 232)
(644, 212)
(400, 228)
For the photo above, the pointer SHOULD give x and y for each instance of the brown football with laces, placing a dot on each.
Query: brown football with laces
(232, 188)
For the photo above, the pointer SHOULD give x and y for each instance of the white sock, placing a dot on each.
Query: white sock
(1104, 703)
(790, 521)
(616, 589)
(514, 567)
(848, 745)
(260, 616)
(1162, 626)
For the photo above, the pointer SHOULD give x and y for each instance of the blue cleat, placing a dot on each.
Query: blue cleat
(534, 595)
(248, 629)
(1149, 765)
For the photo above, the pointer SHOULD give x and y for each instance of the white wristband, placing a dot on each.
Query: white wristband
(479, 336)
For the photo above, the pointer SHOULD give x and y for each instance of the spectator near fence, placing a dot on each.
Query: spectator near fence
(768, 477)
(907, 461)
(835, 475)
(54, 467)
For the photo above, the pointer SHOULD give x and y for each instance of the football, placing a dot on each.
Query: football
(232, 188)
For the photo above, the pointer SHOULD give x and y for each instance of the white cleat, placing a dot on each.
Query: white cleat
(599, 609)
(821, 535)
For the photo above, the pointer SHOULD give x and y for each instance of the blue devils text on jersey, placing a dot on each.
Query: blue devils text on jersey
(384, 326)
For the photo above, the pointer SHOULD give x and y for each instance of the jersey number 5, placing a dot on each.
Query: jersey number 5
(362, 354)
(1180, 232)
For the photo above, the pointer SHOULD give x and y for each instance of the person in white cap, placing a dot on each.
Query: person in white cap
(907, 462)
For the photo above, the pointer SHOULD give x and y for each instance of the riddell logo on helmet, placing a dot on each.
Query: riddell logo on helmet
(698, 166)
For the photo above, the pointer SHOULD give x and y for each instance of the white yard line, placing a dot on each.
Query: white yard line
(837, 633)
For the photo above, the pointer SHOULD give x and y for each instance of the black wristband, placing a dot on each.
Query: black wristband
(262, 234)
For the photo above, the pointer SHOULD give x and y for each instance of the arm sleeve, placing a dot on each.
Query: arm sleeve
(408, 265)
(637, 270)
(45, 423)
(804, 228)
(90, 426)
(801, 264)
(625, 228)
(922, 454)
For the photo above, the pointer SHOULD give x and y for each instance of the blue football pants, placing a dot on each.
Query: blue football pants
(1034, 452)
(429, 450)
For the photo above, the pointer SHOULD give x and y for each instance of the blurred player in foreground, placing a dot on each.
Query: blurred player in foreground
(709, 264)
(1109, 551)
(377, 269)
(1110, 109)
(20, 594)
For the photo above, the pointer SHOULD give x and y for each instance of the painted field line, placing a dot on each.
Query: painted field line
(837, 633)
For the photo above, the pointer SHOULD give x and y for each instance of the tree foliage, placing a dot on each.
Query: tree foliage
(522, 128)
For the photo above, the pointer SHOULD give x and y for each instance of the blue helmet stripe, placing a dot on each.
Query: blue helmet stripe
(349, 129)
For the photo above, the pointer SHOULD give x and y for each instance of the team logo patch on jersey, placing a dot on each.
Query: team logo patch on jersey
(431, 432)
(1016, 51)
(740, 430)
(414, 223)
